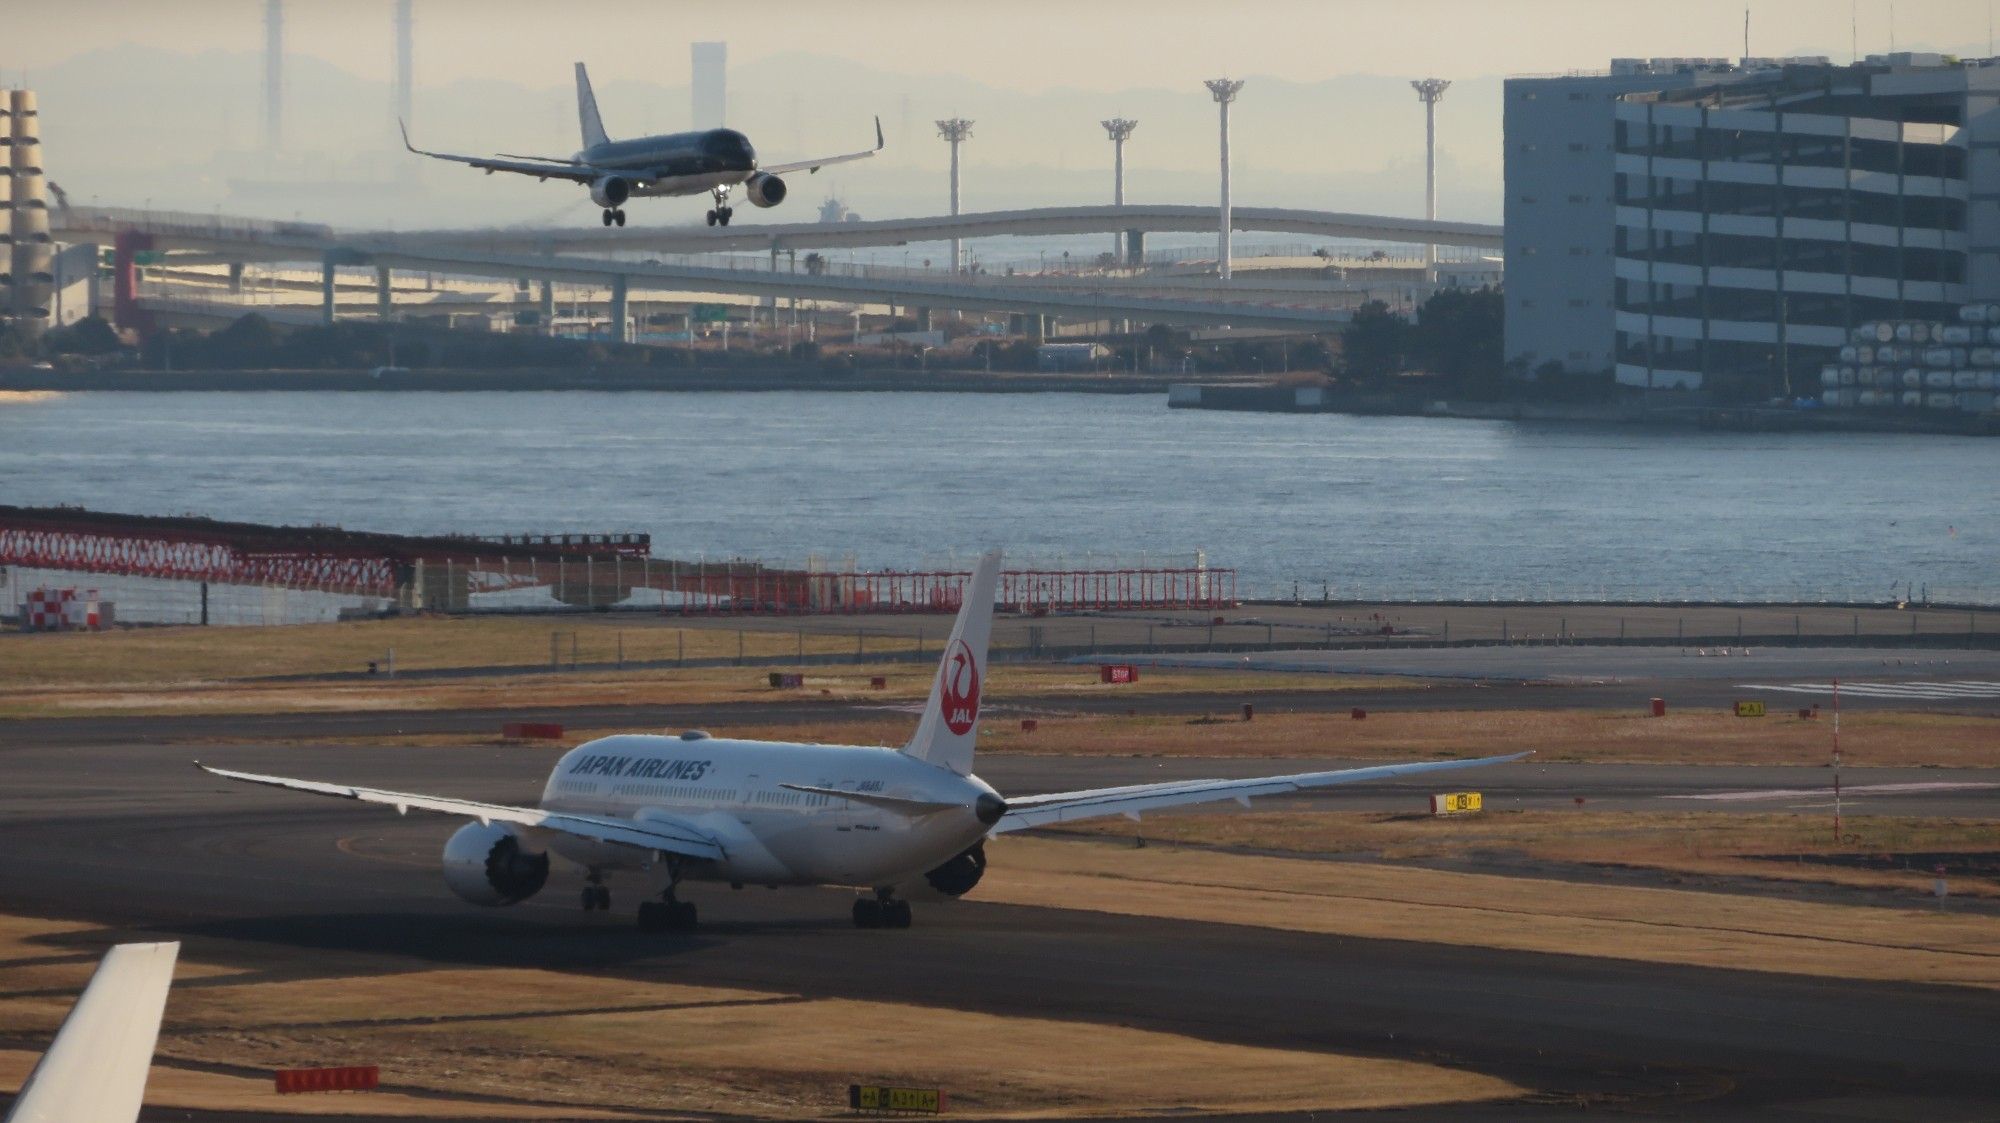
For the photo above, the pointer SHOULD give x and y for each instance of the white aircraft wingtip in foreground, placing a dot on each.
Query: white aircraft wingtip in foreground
(904, 823)
(96, 1067)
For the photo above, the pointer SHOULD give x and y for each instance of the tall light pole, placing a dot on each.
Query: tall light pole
(1224, 90)
(1430, 91)
(1119, 129)
(954, 130)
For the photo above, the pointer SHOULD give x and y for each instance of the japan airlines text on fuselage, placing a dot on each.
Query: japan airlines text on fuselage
(900, 823)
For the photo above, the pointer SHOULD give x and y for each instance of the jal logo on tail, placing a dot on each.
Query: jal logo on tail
(959, 698)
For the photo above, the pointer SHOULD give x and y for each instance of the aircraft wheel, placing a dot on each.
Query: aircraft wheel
(711, 218)
(602, 895)
(867, 913)
(895, 914)
(618, 216)
(589, 898)
(681, 916)
(652, 916)
(725, 214)
(607, 218)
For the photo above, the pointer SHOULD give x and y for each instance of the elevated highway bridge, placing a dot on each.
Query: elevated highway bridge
(583, 257)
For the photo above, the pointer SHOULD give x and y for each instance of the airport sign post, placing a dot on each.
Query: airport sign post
(1456, 803)
(1749, 709)
(875, 1097)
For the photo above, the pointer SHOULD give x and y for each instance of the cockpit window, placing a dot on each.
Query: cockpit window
(727, 144)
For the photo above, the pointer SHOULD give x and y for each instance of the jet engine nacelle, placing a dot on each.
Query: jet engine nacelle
(610, 191)
(957, 877)
(765, 189)
(487, 865)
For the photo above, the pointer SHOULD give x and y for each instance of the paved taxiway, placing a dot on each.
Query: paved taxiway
(131, 836)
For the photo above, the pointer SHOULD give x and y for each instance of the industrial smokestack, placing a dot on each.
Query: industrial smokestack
(711, 84)
(274, 75)
(405, 56)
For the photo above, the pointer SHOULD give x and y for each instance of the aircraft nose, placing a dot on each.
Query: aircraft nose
(989, 808)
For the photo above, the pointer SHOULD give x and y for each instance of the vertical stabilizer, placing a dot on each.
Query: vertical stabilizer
(950, 725)
(586, 111)
(96, 1067)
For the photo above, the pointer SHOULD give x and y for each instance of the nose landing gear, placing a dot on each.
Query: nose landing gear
(614, 215)
(596, 894)
(669, 914)
(720, 215)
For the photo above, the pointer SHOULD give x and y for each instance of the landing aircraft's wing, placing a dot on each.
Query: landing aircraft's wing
(524, 165)
(1062, 807)
(645, 834)
(96, 1067)
(815, 165)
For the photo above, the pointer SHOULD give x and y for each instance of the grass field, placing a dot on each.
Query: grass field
(1714, 843)
(548, 1043)
(1378, 901)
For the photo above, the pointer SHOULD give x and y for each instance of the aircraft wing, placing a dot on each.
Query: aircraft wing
(523, 165)
(647, 834)
(1062, 807)
(96, 1067)
(815, 165)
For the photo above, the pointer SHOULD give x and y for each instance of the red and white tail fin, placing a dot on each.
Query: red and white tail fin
(950, 725)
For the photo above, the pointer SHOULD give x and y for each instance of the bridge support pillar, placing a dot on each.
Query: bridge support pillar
(385, 293)
(326, 302)
(547, 308)
(235, 278)
(618, 310)
(923, 318)
(1135, 248)
(125, 280)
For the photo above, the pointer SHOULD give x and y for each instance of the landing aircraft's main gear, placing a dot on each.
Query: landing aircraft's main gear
(614, 215)
(720, 215)
(881, 911)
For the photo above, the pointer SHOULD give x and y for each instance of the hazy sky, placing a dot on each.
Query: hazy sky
(1019, 44)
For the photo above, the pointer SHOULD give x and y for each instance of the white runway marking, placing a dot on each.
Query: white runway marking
(1921, 691)
(1857, 789)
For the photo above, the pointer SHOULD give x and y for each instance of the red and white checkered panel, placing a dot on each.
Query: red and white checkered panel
(55, 610)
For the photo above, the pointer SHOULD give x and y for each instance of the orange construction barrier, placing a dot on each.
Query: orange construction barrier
(353, 1078)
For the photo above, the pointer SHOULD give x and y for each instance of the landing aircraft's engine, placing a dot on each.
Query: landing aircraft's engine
(610, 191)
(957, 877)
(765, 189)
(488, 866)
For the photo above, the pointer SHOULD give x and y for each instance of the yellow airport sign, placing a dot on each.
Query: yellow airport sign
(876, 1097)
(1749, 709)
(1455, 803)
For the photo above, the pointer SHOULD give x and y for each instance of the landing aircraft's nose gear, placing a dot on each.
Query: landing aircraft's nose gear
(669, 913)
(596, 894)
(881, 911)
(720, 215)
(614, 215)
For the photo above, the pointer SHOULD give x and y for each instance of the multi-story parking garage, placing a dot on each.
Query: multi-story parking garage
(1759, 212)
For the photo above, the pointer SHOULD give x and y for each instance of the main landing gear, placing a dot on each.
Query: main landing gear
(614, 215)
(720, 215)
(596, 894)
(669, 914)
(881, 911)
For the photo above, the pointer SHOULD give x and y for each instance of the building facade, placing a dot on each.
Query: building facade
(1757, 214)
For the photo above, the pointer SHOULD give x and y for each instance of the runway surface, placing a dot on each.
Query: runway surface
(129, 835)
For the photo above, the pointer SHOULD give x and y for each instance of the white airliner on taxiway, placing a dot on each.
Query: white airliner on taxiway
(900, 822)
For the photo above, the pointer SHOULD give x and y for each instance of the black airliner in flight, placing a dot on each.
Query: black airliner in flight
(712, 160)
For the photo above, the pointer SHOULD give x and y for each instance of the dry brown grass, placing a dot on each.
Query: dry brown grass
(1693, 842)
(1388, 902)
(574, 1045)
(905, 683)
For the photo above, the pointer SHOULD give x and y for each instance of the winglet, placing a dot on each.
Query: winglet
(405, 127)
(878, 132)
